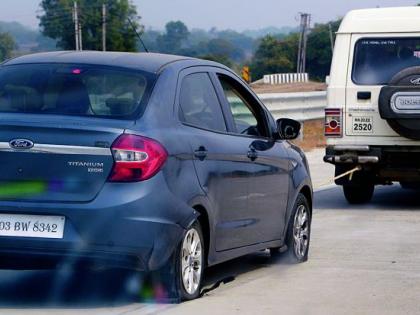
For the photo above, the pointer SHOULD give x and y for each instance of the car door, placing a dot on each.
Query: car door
(268, 187)
(221, 162)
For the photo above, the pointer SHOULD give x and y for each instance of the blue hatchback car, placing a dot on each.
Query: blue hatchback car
(144, 161)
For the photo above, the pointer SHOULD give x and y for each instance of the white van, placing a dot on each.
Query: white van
(373, 114)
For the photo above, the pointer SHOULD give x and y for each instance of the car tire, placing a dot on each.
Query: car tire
(358, 194)
(190, 263)
(299, 230)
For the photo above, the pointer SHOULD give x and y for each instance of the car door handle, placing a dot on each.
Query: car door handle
(252, 154)
(200, 153)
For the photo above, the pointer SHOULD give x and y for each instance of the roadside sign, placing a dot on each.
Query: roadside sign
(246, 74)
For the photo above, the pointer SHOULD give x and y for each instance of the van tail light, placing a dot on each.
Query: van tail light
(333, 122)
(136, 158)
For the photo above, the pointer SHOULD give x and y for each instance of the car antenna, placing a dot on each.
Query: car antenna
(138, 35)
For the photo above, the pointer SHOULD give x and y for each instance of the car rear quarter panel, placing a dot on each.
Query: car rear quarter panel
(300, 179)
(160, 123)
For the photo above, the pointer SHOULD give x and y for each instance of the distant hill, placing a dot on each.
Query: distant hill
(31, 40)
(21, 34)
(26, 38)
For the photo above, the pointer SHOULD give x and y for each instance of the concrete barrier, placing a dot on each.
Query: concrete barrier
(285, 78)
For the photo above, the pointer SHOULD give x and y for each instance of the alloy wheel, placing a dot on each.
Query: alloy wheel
(191, 261)
(301, 232)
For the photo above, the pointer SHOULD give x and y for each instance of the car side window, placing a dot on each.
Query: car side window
(199, 105)
(247, 119)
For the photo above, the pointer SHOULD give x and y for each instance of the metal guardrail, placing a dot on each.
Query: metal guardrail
(300, 106)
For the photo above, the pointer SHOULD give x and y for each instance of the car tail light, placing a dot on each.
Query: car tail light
(333, 122)
(136, 158)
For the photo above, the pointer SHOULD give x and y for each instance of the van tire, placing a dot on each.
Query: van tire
(358, 194)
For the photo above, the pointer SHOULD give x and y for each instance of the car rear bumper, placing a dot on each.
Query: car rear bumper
(38, 258)
(132, 226)
(156, 243)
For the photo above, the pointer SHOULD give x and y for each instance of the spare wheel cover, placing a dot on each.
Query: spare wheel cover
(399, 103)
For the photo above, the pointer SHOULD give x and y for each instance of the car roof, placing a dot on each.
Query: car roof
(149, 62)
(382, 20)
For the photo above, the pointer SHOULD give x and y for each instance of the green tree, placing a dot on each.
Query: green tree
(275, 56)
(218, 58)
(319, 53)
(224, 48)
(244, 45)
(149, 38)
(7, 45)
(279, 54)
(56, 22)
(44, 44)
(174, 37)
(220, 46)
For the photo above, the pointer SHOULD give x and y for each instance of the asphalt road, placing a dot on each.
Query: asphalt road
(363, 260)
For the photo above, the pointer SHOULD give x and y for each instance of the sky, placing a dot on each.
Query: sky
(222, 14)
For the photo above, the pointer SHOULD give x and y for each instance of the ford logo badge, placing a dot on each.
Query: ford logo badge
(21, 144)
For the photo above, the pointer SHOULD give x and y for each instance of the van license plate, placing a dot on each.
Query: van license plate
(362, 125)
(22, 225)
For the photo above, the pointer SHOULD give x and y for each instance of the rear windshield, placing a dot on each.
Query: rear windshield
(73, 90)
(377, 60)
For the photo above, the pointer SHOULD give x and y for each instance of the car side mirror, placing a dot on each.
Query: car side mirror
(288, 129)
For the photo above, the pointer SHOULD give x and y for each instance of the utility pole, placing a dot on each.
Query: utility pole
(305, 22)
(305, 42)
(103, 27)
(331, 38)
(76, 25)
(80, 37)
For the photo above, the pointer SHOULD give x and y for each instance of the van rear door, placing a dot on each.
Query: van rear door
(374, 59)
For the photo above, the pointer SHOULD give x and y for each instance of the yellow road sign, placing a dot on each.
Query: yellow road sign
(246, 74)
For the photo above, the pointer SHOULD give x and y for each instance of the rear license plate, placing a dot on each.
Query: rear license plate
(32, 225)
(362, 125)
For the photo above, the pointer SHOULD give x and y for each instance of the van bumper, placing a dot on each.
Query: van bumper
(378, 164)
